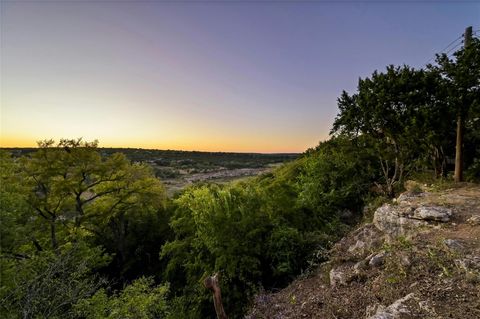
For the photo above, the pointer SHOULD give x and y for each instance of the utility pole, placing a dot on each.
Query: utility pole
(460, 122)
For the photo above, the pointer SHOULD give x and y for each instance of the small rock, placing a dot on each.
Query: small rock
(434, 213)
(340, 276)
(453, 244)
(366, 238)
(474, 220)
(377, 260)
(336, 277)
(405, 260)
(345, 214)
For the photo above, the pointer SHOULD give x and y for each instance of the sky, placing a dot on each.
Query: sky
(245, 76)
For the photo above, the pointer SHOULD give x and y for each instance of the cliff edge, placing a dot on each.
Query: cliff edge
(418, 258)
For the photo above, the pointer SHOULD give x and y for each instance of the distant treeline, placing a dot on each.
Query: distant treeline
(175, 158)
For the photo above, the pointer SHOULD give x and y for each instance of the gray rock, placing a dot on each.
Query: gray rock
(366, 238)
(405, 260)
(433, 213)
(395, 310)
(341, 275)
(453, 244)
(378, 259)
(396, 220)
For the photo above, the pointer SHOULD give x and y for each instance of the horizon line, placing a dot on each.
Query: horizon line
(163, 150)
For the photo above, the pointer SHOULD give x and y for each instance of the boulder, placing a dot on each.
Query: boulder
(395, 220)
(400, 220)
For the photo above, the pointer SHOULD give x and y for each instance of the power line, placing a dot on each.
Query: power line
(456, 46)
(459, 37)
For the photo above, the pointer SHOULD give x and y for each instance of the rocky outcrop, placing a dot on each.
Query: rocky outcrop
(403, 219)
(419, 258)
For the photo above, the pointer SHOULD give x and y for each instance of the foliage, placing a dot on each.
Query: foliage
(139, 300)
(66, 213)
(336, 178)
(47, 284)
(255, 233)
(402, 115)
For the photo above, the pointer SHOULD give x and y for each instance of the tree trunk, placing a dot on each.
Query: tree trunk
(459, 151)
(212, 284)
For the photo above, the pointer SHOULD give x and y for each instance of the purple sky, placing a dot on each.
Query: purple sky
(225, 76)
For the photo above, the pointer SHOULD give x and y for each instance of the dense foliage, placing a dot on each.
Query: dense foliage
(89, 234)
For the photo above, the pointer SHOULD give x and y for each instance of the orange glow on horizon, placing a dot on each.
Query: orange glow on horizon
(20, 142)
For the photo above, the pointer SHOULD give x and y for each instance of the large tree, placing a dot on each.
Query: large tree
(397, 114)
(461, 77)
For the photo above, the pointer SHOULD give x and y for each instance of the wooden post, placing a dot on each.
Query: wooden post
(460, 124)
(212, 284)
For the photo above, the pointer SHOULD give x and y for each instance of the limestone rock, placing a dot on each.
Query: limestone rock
(365, 240)
(398, 220)
(395, 310)
(433, 213)
(395, 220)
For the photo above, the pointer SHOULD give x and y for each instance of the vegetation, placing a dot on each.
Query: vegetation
(90, 233)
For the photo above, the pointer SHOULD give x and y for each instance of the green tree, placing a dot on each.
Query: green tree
(47, 285)
(337, 177)
(67, 200)
(462, 82)
(401, 114)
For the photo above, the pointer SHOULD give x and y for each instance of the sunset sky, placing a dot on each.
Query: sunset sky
(194, 75)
